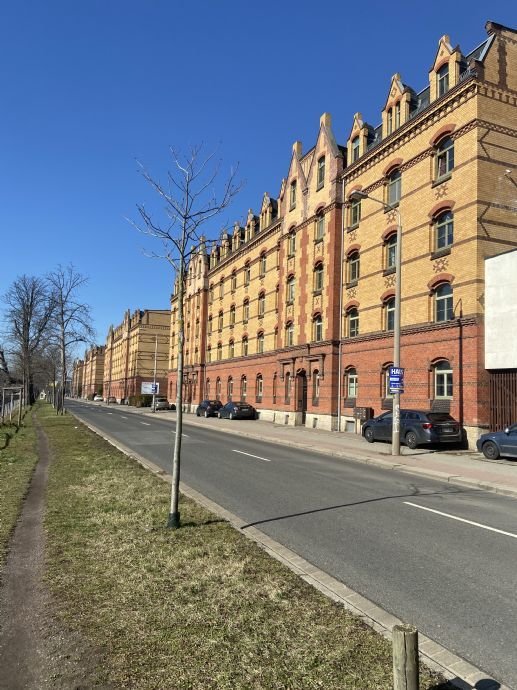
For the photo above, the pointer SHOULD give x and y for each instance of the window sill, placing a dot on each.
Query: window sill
(290, 256)
(389, 271)
(317, 292)
(440, 180)
(315, 402)
(391, 207)
(349, 402)
(291, 208)
(320, 186)
(440, 252)
(352, 227)
(351, 284)
(318, 240)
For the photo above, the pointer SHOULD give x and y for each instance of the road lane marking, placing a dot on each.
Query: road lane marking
(250, 455)
(123, 416)
(109, 413)
(145, 423)
(469, 522)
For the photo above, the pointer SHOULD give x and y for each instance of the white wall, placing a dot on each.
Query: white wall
(501, 311)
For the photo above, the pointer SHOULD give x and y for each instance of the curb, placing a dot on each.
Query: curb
(459, 672)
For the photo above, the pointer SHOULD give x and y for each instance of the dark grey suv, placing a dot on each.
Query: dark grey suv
(416, 428)
(208, 408)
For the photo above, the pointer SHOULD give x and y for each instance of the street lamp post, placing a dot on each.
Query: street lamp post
(154, 375)
(357, 196)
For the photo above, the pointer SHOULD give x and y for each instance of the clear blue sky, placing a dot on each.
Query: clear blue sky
(87, 87)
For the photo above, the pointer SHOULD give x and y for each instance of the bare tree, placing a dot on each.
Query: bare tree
(28, 313)
(71, 318)
(191, 201)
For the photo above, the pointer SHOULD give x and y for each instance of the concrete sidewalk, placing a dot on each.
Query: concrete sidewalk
(466, 468)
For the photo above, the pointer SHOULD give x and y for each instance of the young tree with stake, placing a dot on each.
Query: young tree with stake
(191, 201)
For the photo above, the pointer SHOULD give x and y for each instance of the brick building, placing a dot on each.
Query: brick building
(130, 353)
(77, 378)
(294, 311)
(92, 372)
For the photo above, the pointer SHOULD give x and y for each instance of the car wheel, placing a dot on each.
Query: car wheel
(206, 414)
(369, 436)
(411, 440)
(490, 450)
(231, 415)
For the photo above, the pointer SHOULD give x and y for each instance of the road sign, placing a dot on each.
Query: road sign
(150, 388)
(396, 379)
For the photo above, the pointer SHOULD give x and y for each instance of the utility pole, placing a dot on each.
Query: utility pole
(154, 375)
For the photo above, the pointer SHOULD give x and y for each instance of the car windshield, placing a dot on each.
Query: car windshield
(440, 417)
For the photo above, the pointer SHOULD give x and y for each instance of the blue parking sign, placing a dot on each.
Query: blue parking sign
(396, 379)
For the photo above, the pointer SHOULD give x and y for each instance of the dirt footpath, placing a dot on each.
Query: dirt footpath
(35, 652)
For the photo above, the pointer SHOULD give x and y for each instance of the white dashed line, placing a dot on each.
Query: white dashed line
(468, 522)
(250, 455)
(145, 423)
(123, 416)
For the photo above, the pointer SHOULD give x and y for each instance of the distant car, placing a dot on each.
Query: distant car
(160, 404)
(111, 399)
(497, 443)
(98, 398)
(417, 428)
(208, 408)
(237, 410)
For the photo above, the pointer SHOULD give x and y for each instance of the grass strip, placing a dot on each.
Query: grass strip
(197, 608)
(18, 458)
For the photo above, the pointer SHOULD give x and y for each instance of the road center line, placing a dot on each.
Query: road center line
(250, 455)
(469, 522)
(109, 413)
(123, 416)
(145, 423)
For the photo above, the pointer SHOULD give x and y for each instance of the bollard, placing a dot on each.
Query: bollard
(405, 657)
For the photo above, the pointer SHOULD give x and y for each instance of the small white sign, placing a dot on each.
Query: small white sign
(150, 388)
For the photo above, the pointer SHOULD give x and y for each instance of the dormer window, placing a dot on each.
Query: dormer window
(292, 195)
(389, 121)
(321, 173)
(442, 77)
(355, 149)
(397, 115)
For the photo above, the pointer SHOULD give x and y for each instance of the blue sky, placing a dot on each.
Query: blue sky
(88, 87)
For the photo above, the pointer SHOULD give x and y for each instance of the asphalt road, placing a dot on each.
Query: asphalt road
(406, 543)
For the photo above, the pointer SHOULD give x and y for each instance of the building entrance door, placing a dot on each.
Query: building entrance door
(301, 394)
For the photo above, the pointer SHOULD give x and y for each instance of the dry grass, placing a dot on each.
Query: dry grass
(197, 608)
(17, 461)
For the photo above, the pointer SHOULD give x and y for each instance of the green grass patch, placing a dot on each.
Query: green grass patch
(197, 608)
(18, 458)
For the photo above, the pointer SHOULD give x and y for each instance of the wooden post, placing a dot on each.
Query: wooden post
(405, 657)
(20, 408)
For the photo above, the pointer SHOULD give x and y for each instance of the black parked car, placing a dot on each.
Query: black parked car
(208, 408)
(237, 410)
(497, 443)
(416, 428)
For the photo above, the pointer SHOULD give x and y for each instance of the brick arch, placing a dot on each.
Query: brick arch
(316, 312)
(436, 360)
(388, 232)
(319, 210)
(442, 132)
(445, 205)
(354, 188)
(387, 294)
(353, 248)
(352, 304)
(440, 278)
(394, 163)
(443, 61)
(318, 260)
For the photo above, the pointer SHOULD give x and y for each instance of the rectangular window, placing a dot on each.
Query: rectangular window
(443, 80)
(352, 385)
(320, 228)
(292, 195)
(247, 274)
(355, 212)
(291, 249)
(355, 149)
(262, 266)
(394, 188)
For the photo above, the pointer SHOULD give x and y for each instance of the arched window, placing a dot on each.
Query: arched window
(234, 281)
(443, 306)
(389, 121)
(245, 346)
(219, 351)
(246, 310)
(354, 212)
(391, 252)
(291, 284)
(353, 267)
(218, 389)
(292, 195)
(351, 382)
(442, 80)
(262, 265)
(289, 333)
(444, 157)
(259, 388)
(397, 114)
(389, 314)
(291, 243)
(318, 277)
(244, 388)
(247, 274)
(321, 173)
(261, 304)
(287, 396)
(443, 379)
(209, 354)
(394, 187)
(232, 315)
(352, 318)
(211, 294)
(220, 319)
(260, 342)
(230, 389)
(221, 288)
(317, 328)
(355, 149)
(319, 229)
(231, 349)
(274, 387)
(443, 231)
(315, 386)
(387, 395)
